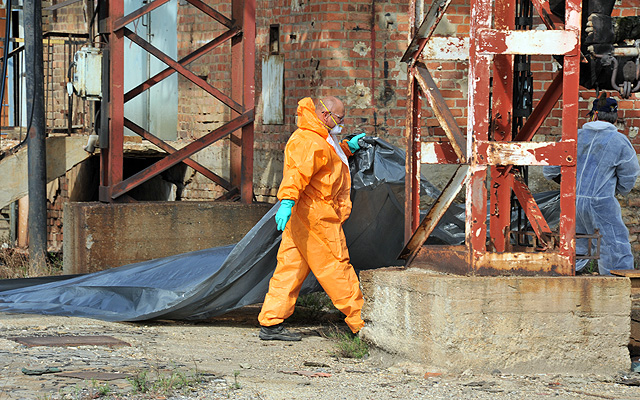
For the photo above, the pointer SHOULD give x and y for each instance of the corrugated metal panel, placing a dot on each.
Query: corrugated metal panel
(273, 89)
(156, 109)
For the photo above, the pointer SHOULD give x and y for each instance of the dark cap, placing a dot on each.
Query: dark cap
(608, 104)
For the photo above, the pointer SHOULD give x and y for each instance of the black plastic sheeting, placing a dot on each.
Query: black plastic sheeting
(206, 283)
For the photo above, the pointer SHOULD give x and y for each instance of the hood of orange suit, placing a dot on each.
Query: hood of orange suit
(307, 118)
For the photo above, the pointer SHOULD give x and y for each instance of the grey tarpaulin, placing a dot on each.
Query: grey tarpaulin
(206, 283)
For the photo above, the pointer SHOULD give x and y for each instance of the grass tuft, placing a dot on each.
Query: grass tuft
(163, 384)
(348, 345)
(14, 262)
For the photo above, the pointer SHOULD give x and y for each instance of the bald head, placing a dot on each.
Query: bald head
(330, 110)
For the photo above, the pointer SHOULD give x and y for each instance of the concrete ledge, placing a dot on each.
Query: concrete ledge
(513, 324)
(98, 236)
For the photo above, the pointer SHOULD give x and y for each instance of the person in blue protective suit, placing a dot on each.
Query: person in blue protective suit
(607, 165)
(314, 203)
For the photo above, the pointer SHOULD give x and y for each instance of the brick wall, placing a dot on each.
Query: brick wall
(198, 111)
(58, 53)
(350, 49)
(57, 195)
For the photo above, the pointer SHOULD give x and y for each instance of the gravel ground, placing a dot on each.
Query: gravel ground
(233, 363)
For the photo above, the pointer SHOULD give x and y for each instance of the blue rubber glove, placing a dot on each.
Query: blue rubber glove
(353, 142)
(284, 213)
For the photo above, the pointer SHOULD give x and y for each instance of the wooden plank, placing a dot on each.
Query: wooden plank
(442, 112)
(435, 213)
(629, 273)
(63, 153)
(273, 89)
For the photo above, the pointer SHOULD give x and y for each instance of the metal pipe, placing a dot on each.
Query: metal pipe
(617, 51)
(5, 56)
(13, 223)
(36, 136)
(23, 222)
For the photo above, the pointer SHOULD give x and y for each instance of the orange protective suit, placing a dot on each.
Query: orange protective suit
(318, 180)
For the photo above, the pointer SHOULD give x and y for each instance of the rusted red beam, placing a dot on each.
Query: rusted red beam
(183, 71)
(501, 117)
(531, 209)
(423, 34)
(184, 62)
(126, 19)
(495, 41)
(437, 210)
(441, 111)
(412, 163)
(542, 110)
(438, 153)
(180, 155)
(170, 150)
(477, 129)
(550, 20)
(112, 157)
(212, 13)
(248, 98)
(525, 153)
(237, 93)
(570, 110)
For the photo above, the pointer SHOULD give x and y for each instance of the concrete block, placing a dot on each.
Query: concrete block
(509, 323)
(100, 236)
(62, 154)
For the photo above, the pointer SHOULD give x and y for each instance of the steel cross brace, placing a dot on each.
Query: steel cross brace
(112, 186)
(494, 41)
(180, 155)
(170, 149)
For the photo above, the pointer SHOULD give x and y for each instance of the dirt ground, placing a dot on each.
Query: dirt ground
(233, 363)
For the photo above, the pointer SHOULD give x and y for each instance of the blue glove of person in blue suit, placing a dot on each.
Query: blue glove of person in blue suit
(353, 142)
(284, 213)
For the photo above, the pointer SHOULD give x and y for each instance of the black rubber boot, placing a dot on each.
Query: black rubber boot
(277, 332)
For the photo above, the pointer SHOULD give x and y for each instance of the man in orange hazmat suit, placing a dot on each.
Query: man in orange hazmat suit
(314, 203)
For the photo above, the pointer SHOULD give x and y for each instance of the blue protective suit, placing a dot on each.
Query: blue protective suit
(607, 165)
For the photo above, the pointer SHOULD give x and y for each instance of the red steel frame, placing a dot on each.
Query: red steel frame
(241, 32)
(491, 146)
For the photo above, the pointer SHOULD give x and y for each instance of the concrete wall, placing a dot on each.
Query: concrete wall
(100, 236)
(512, 324)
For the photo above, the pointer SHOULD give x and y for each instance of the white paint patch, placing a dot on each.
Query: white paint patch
(633, 132)
(540, 42)
(446, 48)
(296, 6)
(89, 242)
(359, 96)
(361, 48)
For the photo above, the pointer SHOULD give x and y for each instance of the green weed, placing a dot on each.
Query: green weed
(313, 306)
(236, 384)
(591, 268)
(163, 384)
(100, 389)
(140, 382)
(349, 345)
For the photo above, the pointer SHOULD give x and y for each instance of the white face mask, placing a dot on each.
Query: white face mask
(336, 130)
